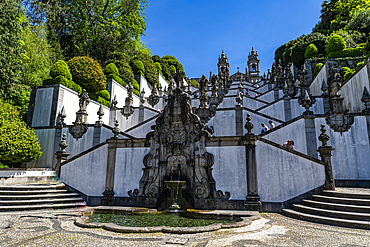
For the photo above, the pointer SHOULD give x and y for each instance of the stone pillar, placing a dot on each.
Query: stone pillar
(141, 113)
(62, 155)
(287, 110)
(108, 194)
(325, 154)
(253, 202)
(239, 120)
(309, 126)
(276, 93)
(97, 134)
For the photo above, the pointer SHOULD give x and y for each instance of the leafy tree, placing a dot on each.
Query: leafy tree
(37, 56)
(164, 68)
(60, 68)
(360, 21)
(10, 47)
(18, 143)
(150, 72)
(172, 69)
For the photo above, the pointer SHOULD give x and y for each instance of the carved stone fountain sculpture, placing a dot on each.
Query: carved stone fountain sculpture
(178, 153)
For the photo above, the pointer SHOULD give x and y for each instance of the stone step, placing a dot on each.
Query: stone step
(41, 201)
(336, 206)
(345, 195)
(331, 213)
(31, 192)
(327, 220)
(41, 206)
(351, 201)
(30, 197)
(31, 187)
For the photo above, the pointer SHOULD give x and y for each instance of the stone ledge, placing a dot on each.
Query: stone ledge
(249, 216)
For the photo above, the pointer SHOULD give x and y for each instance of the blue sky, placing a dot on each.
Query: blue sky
(196, 31)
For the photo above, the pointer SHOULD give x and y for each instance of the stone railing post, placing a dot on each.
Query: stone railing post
(62, 154)
(310, 130)
(325, 154)
(253, 202)
(108, 194)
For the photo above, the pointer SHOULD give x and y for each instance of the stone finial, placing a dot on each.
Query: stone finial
(116, 130)
(63, 144)
(61, 116)
(114, 103)
(100, 114)
(366, 99)
(324, 138)
(249, 125)
(142, 98)
(324, 88)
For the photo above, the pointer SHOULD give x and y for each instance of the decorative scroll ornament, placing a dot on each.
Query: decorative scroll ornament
(177, 152)
(154, 97)
(79, 128)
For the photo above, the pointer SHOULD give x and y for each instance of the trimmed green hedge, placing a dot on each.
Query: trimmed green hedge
(350, 52)
(347, 72)
(194, 83)
(104, 94)
(62, 80)
(317, 68)
(172, 69)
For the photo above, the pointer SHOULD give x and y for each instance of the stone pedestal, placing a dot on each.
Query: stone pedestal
(325, 154)
(239, 120)
(141, 113)
(61, 157)
(108, 194)
(287, 110)
(309, 122)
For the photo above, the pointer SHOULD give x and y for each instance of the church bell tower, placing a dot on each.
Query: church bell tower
(253, 67)
(223, 63)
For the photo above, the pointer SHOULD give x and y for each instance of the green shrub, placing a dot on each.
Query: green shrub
(350, 52)
(122, 60)
(104, 94)
(317, 68)
(164, 69)
(171, 60)
(60, 68)
(150, 70)
(103, 101)
(136, 92)
(87, 73)
(311, 51)
(194, 83)
(336, 43)
(172, 69)
(3, 166)
(111, 69)
(359, 65)
(117, 79)
(137, 67)
(18, 143)
(158, 66)
(347, 72)
(136, 85)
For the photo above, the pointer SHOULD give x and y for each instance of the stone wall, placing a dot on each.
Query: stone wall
(282, 175)
(315, 88)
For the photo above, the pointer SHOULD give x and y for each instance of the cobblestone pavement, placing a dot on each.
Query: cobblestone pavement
(56, 228)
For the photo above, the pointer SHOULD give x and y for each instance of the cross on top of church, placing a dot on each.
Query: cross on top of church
(178, 78)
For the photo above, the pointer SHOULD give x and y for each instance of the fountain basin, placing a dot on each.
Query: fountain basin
(241, 218)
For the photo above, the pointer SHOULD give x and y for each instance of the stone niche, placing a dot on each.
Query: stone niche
(178, 153)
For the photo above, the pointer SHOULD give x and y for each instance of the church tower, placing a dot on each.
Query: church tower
(223, 63)
(253, 67)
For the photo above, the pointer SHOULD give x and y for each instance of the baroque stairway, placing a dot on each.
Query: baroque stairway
(348, 207)
(40, 196)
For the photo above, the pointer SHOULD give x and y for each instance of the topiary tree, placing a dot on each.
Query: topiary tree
(111, 68)
(171, 60)
(336, 43)
(311, 51)
(137, 67)
(172, 69)
(87, 73)
(165, 70)
(194, 83)
(18, 143)
(60, 68)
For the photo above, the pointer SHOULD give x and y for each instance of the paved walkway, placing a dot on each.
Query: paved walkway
(56, 228)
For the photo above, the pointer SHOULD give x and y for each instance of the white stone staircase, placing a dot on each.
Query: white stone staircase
(348, 209)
